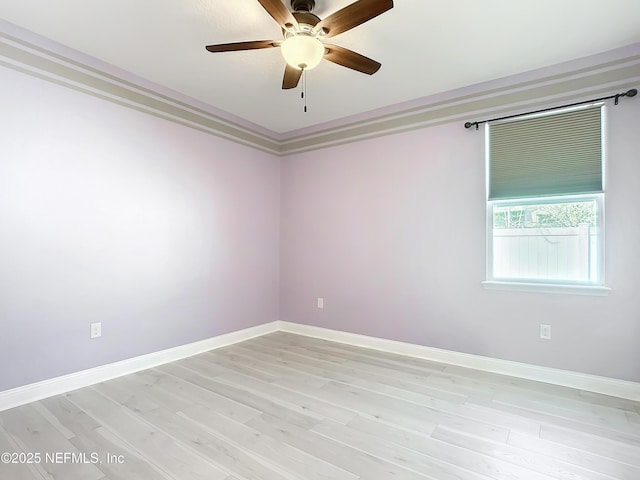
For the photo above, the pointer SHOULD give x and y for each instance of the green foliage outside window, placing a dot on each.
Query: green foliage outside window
(548, 215)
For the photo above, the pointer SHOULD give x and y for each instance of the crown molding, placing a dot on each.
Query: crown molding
(600, 75)
(599, 79)
(27, 57)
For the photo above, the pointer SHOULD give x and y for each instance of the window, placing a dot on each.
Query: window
(545, 199)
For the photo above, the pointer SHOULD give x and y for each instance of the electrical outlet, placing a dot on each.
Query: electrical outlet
(545, 332)
(320, 302)
(96, 330)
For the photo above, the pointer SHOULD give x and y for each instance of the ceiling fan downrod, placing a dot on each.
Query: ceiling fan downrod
(303, 5)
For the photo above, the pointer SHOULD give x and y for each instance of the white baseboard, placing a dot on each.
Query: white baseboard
(581, 381)
(56, 386)
(66, 383)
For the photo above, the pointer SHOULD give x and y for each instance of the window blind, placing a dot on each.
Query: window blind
(555, 154)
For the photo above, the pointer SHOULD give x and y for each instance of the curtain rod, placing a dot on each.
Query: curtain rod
(629, 93)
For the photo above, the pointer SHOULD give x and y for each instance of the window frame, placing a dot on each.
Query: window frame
(595, 287)
(598, 198)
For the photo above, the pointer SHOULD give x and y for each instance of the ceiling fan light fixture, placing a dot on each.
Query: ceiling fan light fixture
(302, 51)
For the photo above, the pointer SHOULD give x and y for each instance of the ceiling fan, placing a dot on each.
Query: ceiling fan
(303, 47)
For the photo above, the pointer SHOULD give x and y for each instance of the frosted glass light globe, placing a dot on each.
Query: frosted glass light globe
(302, 51)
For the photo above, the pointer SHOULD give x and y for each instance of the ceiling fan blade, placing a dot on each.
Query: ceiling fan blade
(353, 60)
(279, 12)
(291, 77)
(353, 15)
(232, 47)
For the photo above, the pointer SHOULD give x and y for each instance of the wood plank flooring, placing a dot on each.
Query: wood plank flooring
(288, 407)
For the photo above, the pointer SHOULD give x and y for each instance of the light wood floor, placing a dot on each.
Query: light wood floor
(285, 407)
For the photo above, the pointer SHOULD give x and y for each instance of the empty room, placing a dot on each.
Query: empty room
(319, 240)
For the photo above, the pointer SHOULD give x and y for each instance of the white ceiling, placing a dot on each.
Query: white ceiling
(425, 47)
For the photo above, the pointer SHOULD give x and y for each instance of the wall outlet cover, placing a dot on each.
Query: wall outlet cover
(96, 330)
(545, 332)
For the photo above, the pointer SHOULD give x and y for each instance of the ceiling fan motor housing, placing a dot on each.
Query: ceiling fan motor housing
(303, 5)
(306, 21)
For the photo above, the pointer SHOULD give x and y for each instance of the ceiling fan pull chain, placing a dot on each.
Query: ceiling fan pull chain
(304, 88)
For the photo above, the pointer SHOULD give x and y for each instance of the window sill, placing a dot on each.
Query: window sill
(594, 290)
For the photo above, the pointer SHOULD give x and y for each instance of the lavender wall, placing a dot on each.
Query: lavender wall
(391, 232)
(168, 235)
(164, 234)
